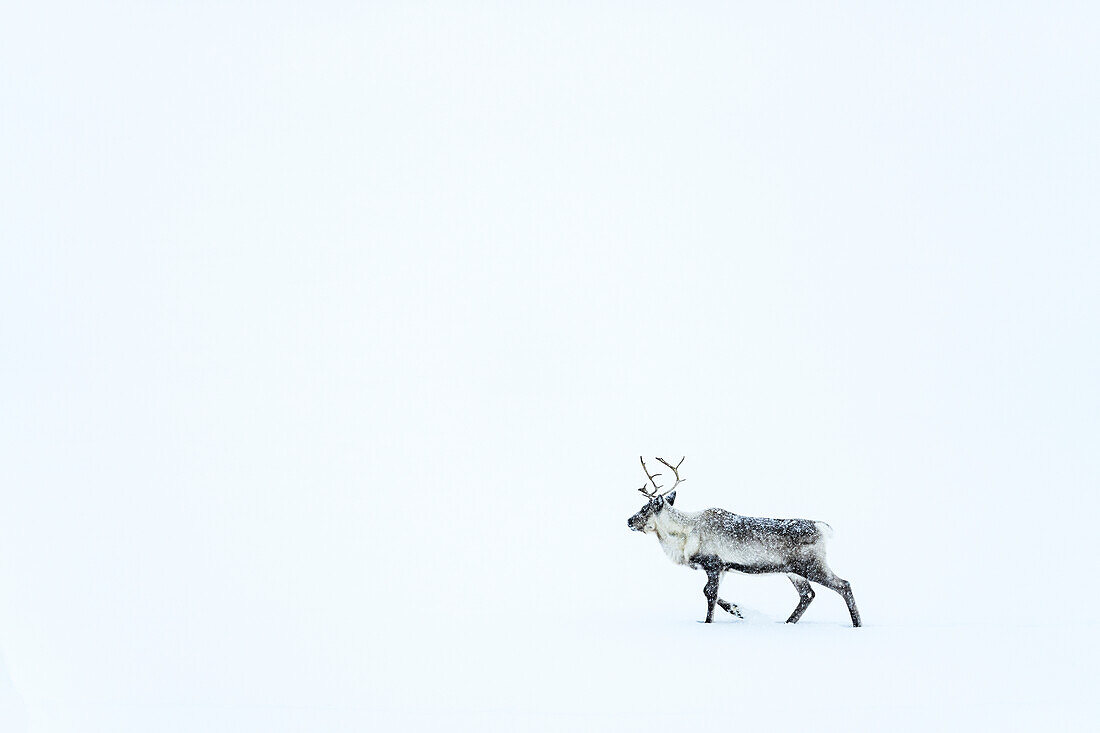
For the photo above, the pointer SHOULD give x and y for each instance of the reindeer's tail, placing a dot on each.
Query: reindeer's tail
(825, 530)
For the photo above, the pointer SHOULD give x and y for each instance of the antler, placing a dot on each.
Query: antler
(652, 479)
(675, 472)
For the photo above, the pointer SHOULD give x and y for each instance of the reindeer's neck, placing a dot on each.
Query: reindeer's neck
(672, 522)
(672, 529)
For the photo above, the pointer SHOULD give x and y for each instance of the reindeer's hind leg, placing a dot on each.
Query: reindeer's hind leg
(730, 608)
(805, 595)
(819, 573)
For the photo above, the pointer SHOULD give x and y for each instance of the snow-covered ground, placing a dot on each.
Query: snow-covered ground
(650, 675)
(330, 334)
(384, 615)
(647, 674)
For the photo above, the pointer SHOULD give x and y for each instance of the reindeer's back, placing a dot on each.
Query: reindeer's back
(718, 524)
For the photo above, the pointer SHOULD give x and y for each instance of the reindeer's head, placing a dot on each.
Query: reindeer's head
(646, 518)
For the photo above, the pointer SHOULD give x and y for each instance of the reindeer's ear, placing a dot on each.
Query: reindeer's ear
(671, 497)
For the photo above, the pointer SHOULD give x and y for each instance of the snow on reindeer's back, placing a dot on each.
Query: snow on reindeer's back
(762, 530)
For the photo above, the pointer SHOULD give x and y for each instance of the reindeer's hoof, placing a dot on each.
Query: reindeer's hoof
(731, 608)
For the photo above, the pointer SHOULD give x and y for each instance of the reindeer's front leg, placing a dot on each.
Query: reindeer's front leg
(710, 590)
(730, 608)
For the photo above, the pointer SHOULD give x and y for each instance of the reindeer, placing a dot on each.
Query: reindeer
(719, 541)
